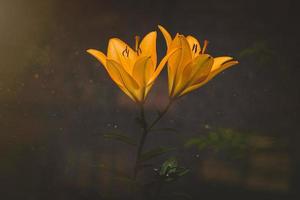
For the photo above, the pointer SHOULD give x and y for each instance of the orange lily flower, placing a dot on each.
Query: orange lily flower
(134, 71)
(189, 68)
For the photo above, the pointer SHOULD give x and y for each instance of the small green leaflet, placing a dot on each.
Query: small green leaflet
(120, 137)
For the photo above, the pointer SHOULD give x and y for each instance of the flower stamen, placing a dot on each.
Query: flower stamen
(194, 49)
(138, 50)
(204, 46)
(126, 51)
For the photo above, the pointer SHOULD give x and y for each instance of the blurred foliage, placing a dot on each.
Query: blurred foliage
(233, 143)
(260, 51)
(170, 170)
(263, 55)
(121, 138)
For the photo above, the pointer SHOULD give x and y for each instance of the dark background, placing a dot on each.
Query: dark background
(56, 101)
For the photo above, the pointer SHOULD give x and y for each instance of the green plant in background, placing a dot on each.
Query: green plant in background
(170, 170)
(263, 56)
(134, 70)
(234, 143)
(261, 51)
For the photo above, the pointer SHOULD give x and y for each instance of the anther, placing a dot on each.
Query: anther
(194, 49)
(126, 51)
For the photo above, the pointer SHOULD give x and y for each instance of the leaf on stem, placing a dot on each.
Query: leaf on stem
(120, 137)
(182, 171)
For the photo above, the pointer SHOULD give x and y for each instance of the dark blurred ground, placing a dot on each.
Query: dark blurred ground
(56, 100)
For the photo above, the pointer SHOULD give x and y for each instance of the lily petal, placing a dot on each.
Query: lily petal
(178, 61)
(142, 70)
(202, 68)
(99, 55)
(191, 88)
(194, 45)
(196, 71)
(116, 77)
(126, 79)
(147, 89)
(122, 53)
(148, 46)
(128, 93)
(161, 65)
(166, 35)
(220, 64)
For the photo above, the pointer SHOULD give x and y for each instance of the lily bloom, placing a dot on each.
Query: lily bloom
(190, 67)
(134, 71)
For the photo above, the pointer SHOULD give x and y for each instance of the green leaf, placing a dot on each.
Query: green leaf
(222, 140)
(191, 142)
(154, 153)
(120, 137)
(198, 141)
(182, 172)
(169, 166)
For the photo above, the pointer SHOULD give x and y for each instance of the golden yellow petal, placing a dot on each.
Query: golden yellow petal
(201, 69)
(122, 53)
(128, 93)
(147, 89)
(166, 35)
(195, 72)
(194, 45)
(99, 55)
(148, 46)
(222, 68)
(127, 81)
(143, 70)
(190, 89)
(220, 64)
(161, 66)
(178, 60)
(114, 75)
(173, 67)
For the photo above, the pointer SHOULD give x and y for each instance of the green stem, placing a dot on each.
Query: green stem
(161, 114)
(146, 130)
(142, 140)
